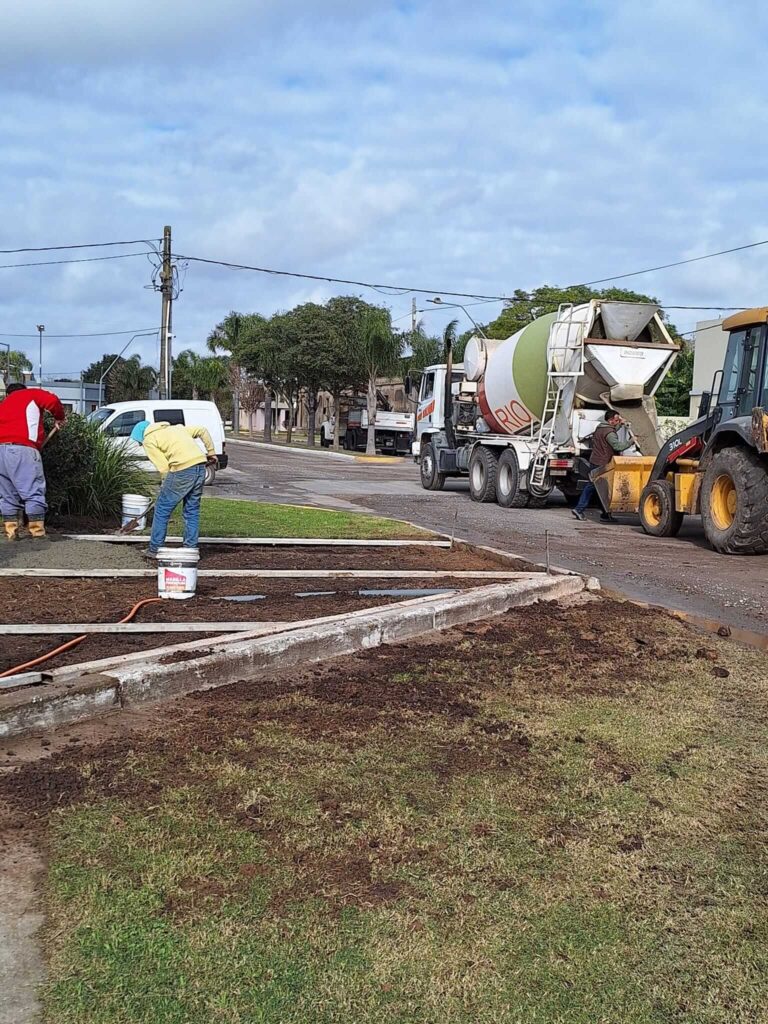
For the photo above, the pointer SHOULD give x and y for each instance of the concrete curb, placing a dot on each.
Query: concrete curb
(142, 682)
(291, 451)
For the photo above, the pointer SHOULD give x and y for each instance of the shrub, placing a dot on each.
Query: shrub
(87, 473)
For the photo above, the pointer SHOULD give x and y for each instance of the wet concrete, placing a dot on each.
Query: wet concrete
(60, 553)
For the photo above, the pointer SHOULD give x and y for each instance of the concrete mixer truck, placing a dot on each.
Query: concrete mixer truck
(517, 415)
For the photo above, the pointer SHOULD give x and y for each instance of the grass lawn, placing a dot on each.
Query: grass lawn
(557, 817)
(222, 517)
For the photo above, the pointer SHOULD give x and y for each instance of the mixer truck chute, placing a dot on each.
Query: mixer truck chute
(518, 415)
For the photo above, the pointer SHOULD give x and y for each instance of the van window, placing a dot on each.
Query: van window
(99, 415)
(172, 416)
(122, 425)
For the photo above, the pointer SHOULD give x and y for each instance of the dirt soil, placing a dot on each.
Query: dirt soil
(458, 559)
(586, 650)
(101, 600)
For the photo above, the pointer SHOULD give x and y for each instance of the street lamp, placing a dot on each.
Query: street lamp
(457, 305)
(144, 334)
(40, 329)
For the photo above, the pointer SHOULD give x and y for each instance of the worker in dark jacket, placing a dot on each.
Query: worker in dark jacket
(605, 444)
(22, 481)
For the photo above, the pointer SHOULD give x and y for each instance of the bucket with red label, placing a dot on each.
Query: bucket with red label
(177, 572)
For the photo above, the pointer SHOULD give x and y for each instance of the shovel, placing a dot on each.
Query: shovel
(130, 526)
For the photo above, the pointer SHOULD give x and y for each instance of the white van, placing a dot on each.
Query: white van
(118, 420)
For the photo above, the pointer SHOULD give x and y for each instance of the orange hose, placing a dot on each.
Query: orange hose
(73, 643)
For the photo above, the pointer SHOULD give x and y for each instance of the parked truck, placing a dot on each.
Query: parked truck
(517, 416)
(393, 431)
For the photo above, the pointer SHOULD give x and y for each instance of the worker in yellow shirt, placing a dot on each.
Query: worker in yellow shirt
(174, 452)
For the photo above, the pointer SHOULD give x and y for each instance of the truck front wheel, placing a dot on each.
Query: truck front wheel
(658, 515)
(483, 466)
(431, 480)
(734, 502)
(508, 491)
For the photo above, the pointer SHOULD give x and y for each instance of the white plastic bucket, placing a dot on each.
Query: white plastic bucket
(177, 572)
(135, 505)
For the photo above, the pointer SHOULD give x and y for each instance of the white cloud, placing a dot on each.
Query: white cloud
(437, 144)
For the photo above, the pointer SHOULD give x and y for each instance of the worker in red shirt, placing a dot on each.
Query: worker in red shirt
(22, 481)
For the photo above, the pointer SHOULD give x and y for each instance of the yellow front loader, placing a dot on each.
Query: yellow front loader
(718, 466)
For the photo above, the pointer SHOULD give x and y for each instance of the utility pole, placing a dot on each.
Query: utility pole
(40, 329)
(413, 321)
(166, 292)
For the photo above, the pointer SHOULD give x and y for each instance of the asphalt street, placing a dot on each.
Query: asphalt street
(682, 573)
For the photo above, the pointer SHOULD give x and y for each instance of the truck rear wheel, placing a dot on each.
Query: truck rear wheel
(431, 480)
(658, 516)
(734, 502)
(483, 466)
(508, 492)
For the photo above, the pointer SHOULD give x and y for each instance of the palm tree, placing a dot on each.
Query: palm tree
(130, 380)
(201, 374)
(379, 355)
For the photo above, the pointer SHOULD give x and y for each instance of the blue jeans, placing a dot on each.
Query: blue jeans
(586, 495)
(186, 485)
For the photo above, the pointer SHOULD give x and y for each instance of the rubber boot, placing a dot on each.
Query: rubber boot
(11, 527)
(36, 528)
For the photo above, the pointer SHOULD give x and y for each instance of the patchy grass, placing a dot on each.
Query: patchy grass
(224, 517)
(558, 816)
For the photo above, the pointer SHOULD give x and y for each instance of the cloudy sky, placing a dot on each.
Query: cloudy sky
(474, 147)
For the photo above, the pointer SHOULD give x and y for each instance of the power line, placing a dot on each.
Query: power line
(95, 334)
(82, 245)
(403, 289)
(388, 289)
(679, 263)
(85, 259)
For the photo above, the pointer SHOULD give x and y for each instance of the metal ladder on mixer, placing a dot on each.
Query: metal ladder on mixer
(557, 378)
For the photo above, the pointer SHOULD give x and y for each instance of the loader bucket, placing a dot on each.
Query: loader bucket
(620, 483)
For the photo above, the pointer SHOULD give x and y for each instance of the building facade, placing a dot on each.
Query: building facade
(708, 356)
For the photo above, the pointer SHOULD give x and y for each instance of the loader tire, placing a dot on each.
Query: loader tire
(734, 502)
(431, 480)
(658, 515)
(483, 467)
(508, 491)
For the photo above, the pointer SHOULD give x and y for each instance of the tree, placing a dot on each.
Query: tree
(526, 307)
(251, 398)
(96, 370)
(196, 376)
(260, 351)
(313, 345)
(14, 363)
(380, 352)
(426, 350)
(345, 370)
(674, 395)
(130, 380)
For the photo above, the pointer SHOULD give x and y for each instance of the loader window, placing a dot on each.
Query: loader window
(734, 357)
(748, 390)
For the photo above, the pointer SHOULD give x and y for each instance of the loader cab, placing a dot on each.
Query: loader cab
(744, 382)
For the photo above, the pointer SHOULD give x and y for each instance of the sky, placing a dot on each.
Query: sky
(452, 146)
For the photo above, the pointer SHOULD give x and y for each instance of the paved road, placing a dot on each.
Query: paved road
(682, 573)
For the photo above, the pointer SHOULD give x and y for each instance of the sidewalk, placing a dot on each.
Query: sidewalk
(328, 453)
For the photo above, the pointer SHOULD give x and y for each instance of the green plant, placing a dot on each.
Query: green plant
(87, 473)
